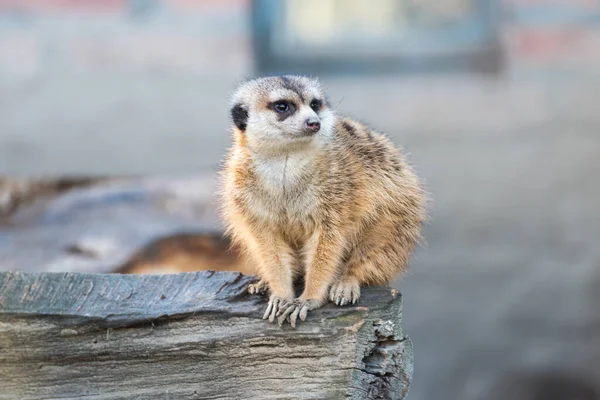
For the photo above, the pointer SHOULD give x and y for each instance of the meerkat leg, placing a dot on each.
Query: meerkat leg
(274, 259)
(262, 285)
(381, 255)
(323, 253)
(277, 269)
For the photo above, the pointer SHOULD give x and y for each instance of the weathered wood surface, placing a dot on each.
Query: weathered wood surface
(190, 336)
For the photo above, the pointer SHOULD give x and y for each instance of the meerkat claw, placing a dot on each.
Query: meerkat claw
(274, 307)
(260, 287)
(345, 292)
(296, 308)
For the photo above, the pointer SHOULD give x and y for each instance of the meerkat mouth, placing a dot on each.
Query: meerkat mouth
(300, 136)
(307, 134)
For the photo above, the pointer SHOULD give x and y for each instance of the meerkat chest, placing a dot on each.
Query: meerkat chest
(286, 189)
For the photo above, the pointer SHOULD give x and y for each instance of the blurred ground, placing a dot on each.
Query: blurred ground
(506, 294)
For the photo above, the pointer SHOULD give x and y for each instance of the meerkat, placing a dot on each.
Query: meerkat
(314, 195)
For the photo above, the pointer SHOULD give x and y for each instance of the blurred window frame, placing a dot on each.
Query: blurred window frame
(471, 44)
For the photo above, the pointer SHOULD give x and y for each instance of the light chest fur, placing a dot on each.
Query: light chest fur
(286, 192)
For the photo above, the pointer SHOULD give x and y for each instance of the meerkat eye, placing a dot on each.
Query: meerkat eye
(281, 106)
(315, 105)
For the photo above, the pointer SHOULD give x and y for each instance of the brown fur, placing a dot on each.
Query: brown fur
(351, 216)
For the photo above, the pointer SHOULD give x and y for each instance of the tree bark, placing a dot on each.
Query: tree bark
(190, 336)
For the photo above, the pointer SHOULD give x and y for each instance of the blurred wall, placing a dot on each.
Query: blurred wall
(117, 86)
(145, 83)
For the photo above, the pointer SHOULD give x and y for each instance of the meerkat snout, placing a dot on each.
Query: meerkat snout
(312, 124)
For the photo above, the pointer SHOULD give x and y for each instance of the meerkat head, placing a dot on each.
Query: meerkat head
(281, 111)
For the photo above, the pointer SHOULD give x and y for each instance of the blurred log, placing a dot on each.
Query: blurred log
(133, 225)
(190, 336)
(16, 193)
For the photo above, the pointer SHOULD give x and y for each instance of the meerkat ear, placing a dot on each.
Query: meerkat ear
(239, 114)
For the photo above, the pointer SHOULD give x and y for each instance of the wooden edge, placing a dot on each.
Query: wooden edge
(385, 360)
(118, 298)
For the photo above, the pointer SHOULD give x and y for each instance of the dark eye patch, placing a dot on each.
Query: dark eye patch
(283, 108)
(239, 114)
(316, 104)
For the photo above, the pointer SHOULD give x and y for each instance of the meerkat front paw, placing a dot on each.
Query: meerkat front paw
(296, 308)
(274, 305)
(260, 287)
(346, 291)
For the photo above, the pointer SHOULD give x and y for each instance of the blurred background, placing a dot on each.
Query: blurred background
(497, 103)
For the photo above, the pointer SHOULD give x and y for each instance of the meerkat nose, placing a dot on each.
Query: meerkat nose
(312, 125)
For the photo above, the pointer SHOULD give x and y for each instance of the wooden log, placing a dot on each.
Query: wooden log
(190, 336)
